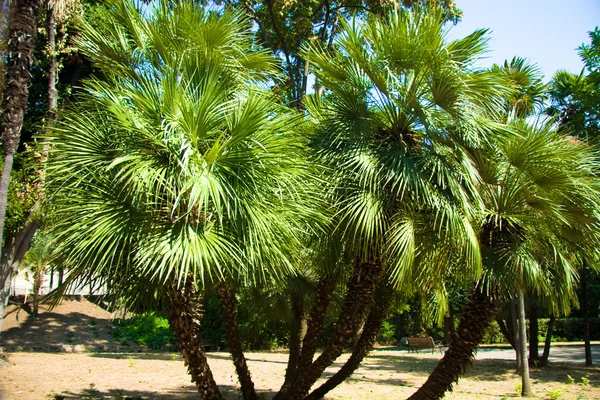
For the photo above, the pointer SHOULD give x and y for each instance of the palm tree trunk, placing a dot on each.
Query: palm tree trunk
(508, 335)
(21, 34)
(548, 341)
(476, 318)
(234, 342)
(316, 323)
(515, 329)
(534, 352)
(378, 314)
(361, 286)
(298, 327)
(586, 315)
(38, 279)
(184, 315)
(525, 378)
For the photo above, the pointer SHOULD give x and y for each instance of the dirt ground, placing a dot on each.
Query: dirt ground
(34, 373)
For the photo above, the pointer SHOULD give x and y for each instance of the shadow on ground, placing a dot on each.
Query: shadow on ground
(188, 392)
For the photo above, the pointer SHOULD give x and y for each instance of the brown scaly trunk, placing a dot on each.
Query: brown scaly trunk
(316, 323)
(378, 314)
(38, 279)
(298, 327)
(476, 318)
(234, 342)
(184, 315)
(21, 34)
(586, 315)
(361, 286)
(525, 378)
(548, 341)
(534, 352)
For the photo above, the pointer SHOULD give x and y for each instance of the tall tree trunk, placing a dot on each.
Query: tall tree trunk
(449, 330)
(184, 313)
(21, 36)
(38, 280)
(586, 315)
(316, 323)
(548, 341)
(22, 27)
(478, 313)
(234, 342)
(515, 329)
(298, 327)
(13, 252)
(378, 314)
(508, 335)
(525, 378)
(534, 352)
(361, 286)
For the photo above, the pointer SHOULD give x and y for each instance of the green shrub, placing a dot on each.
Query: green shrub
(146, 329)
(387, 333)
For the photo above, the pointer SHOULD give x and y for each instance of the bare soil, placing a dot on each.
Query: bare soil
(385, 374)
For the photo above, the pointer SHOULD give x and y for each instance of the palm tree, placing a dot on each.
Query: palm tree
(398, 107)
(541, 198)
(177, 169)
(38, 258)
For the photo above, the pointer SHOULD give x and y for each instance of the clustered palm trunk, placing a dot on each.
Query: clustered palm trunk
(479, 312)
(234, 342)
(21, 35)
(378, 313)
(361, 286)
(184, 312)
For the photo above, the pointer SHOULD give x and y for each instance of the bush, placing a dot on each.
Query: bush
(569, 329)
(493, 335)
(146, 329)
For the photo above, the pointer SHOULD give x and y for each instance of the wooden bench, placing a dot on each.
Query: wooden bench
(210, 346)
(416, 343)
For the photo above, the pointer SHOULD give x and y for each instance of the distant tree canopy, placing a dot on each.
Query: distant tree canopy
(575, 99)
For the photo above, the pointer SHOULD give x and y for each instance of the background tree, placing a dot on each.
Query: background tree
(285, 26)
(575, 100)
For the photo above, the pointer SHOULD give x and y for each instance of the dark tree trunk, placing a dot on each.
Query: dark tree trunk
(378, 314)
(515, 329)
(478, 313)
(38, 280)
(234, 342)
(316, 323)
(21, 35)
(184, 314)
(586, 315)
(449, 330)
(548, 341)
(525, 378)
(508, 335)
(534, 352)
(14, 250)
(298, 328)
(361, 286)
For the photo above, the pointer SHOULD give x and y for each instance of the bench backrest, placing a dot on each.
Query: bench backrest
(420, 341)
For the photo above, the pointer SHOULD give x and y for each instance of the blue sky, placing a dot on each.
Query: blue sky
(545, 32)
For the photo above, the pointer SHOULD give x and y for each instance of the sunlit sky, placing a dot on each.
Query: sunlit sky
(545, 32)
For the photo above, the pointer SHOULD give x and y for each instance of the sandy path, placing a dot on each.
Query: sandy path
(384, 375)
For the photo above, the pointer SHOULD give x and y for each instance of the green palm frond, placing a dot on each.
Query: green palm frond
(177, 163)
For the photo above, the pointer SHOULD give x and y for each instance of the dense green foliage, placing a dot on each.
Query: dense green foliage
(147, 329)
